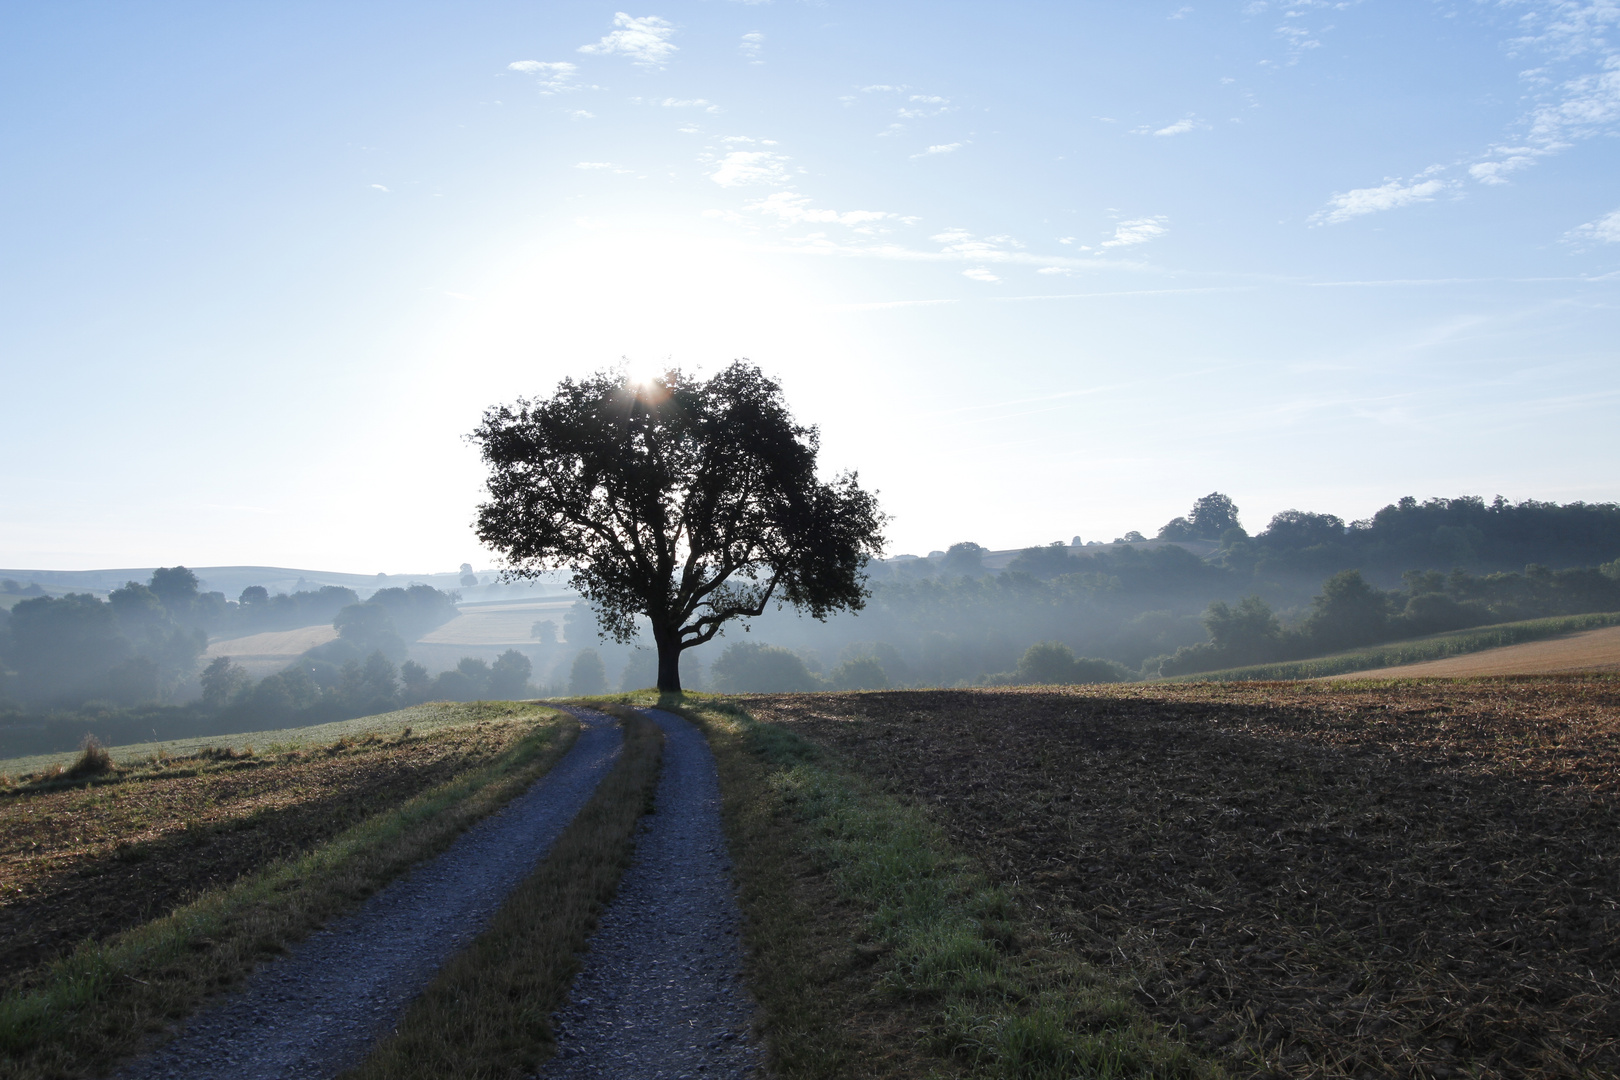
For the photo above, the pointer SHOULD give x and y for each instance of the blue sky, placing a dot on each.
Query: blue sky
(1035, 269)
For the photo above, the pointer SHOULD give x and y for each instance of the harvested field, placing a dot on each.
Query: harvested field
(89, 860)
(500, 623)
(1590, 650)
(269, 652)
(1311, 880)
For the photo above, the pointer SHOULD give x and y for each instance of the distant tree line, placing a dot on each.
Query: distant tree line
(1350, 613)
(950, 620)
(143, 643)
(136, 646)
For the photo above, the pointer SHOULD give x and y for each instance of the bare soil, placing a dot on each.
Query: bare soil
(90, 860)
(1310, 880)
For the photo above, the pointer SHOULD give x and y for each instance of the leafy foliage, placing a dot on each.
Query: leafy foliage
(684, 502)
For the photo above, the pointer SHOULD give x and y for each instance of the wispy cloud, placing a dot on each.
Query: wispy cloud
(743, 168)
(750, 46)
(942, 148)
(1389, 195)
(683, 103)
(1565, 110)
(1507, 160)
(645, 40)
(979, 273)
(1605, 229)
(379, 187)
(1137, 231)
(594, 165)
(1180, 127)
(795, 209)
(555, 77)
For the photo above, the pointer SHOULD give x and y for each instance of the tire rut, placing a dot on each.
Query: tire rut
(661, 992)
(317, 1011)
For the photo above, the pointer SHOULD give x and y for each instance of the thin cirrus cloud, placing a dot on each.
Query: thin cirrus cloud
(555, 77)
(1180, 127)
(942, 148)
(1605, 229)
(1571, 109)
(1386, 196)
(645, 40)
(795, 209)
(979, 273)
(1137, 231)
(750, 45)
(683, 103)
(743, 168)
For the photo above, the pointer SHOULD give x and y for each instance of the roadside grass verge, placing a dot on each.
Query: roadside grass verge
(877, 951)
(102, 1001)
(1434, 647)
(487, 1014)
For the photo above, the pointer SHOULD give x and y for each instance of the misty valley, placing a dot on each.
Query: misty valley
(169, 658)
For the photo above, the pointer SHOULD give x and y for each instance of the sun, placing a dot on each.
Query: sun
(645, 372)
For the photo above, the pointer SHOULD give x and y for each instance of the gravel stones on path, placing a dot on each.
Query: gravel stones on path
(661, 993)
(318, 1010)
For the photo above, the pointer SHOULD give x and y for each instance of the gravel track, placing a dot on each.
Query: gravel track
(661, 993)
(318, 1010)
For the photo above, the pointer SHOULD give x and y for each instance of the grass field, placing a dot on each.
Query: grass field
(1303, 880)
(130, 896)
(1417, 650)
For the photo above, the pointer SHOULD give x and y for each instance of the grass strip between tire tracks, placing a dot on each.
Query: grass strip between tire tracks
(487, 1013)
(99, 1003)
(877, 951)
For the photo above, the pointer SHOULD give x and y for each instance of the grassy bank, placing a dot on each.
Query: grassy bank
(487, 1013)
(98, 1004)
(877, 951)
(1434, 647)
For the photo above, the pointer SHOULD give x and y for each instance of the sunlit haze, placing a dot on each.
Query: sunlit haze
(1035, 270)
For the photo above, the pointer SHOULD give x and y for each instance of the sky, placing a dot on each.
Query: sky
(1035, 270)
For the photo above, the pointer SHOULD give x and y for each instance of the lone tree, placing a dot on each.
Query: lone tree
(686, 501)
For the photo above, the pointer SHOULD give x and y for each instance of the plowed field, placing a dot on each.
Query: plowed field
(1309, 880)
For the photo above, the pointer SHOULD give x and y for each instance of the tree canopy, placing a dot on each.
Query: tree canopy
(685, 501)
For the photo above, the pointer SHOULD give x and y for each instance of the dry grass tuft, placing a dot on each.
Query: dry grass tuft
(93, 759)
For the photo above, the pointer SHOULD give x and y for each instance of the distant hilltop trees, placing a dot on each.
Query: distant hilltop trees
(1435, 534)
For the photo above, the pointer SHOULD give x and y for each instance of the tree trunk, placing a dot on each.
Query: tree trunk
(669, 664)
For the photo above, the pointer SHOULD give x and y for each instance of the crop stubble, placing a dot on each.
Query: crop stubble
(91, 860)
(1308, 880)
